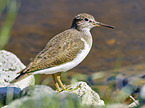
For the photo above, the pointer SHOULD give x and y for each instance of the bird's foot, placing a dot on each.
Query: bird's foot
(69, 88)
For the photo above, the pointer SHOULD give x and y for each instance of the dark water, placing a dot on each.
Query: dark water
(39, 20)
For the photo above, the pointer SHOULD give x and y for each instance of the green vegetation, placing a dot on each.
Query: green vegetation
(11, 8)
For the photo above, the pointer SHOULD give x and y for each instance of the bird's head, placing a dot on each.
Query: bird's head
(85, 21)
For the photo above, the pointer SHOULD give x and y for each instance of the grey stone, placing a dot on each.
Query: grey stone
(8, 94)
(87, 95)
(47, 100)
(9, 66)
(79, 95)
(142, 93)
(81, 89)
(37, 89)
(142, 97)
(118, 105)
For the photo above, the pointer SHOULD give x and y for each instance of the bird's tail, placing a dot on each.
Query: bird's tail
(20, 77)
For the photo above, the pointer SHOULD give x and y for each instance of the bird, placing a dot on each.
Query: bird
(64, 51)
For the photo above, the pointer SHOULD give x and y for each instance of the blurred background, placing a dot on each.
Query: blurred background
(33, 23)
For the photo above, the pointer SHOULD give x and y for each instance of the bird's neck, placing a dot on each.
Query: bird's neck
(86, 33)
(87, 36)
(85, 30)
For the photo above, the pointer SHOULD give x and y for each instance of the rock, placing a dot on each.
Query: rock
(142, 98)
(87, 95)
(47, 100)
(79, 95)
(7, 94)
(118, 105)
(142, 92)
(37, 89)
(9, 66)
(81, 89)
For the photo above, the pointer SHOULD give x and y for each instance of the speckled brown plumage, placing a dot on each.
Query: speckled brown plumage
(61, 49)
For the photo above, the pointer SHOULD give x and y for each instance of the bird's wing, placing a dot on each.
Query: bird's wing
(56, 52)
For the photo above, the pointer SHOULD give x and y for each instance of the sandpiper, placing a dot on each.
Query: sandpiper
(64, 51)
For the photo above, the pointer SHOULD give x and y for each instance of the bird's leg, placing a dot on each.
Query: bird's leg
(56, 84)
(59, 81)
(62, 86)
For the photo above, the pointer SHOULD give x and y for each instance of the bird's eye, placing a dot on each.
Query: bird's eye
(86, 19)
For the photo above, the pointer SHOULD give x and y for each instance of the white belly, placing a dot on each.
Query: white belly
(67, 66)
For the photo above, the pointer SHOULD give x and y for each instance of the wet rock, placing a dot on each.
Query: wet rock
(8, 94)
(9, 66)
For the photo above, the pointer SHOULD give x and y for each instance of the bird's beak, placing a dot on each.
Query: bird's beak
(103, 25)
